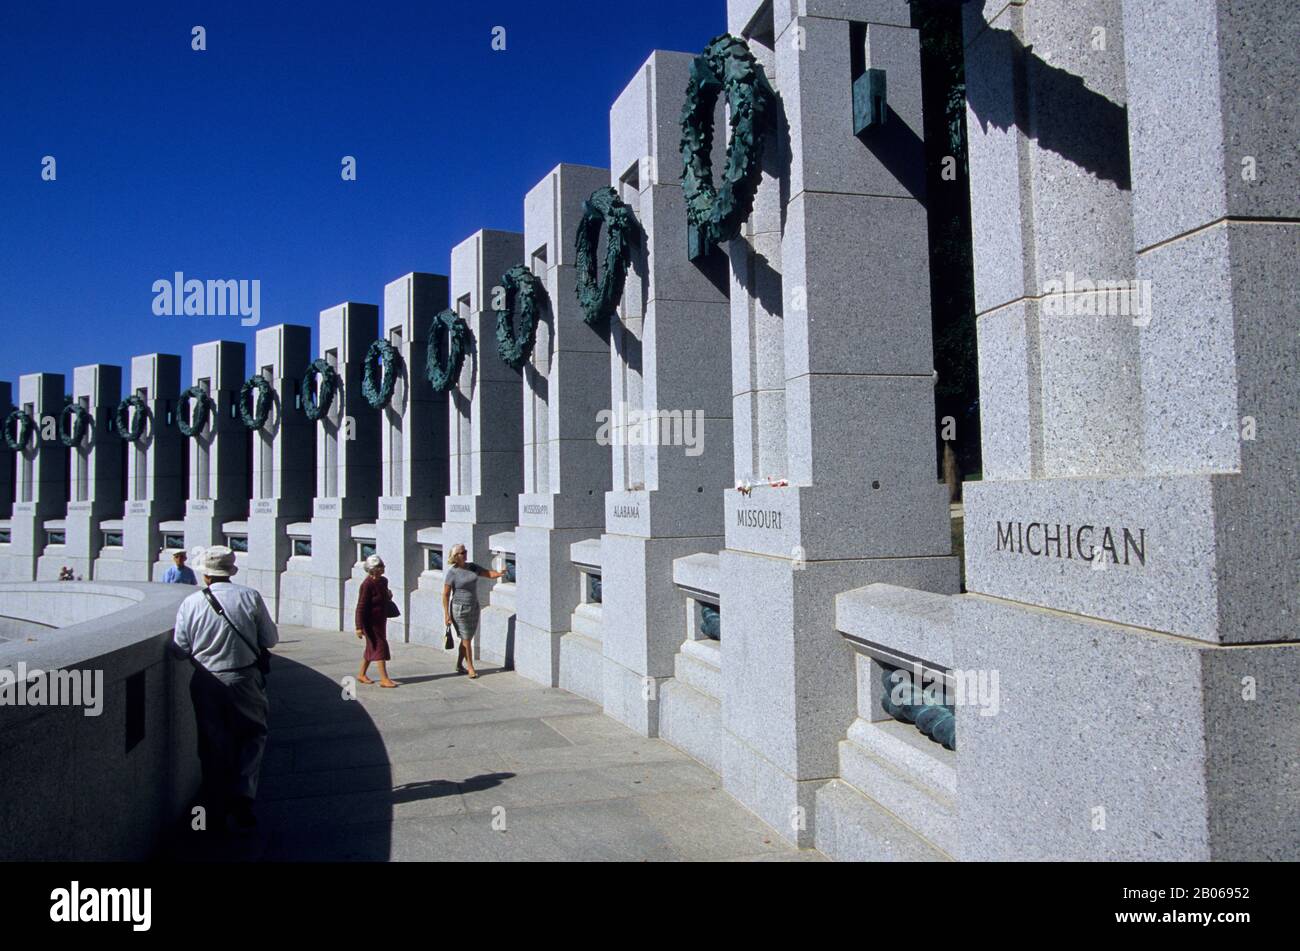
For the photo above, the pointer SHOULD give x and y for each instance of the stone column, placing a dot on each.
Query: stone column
(671, 362)
(155, 482)
(347, 464)
(1156, 734)
(219, 473)
(95, 488)
(1053, 221)
(40, 475)
(486, 427)
(861, 502)
(566, 383)
(284, 459)
(7, 470)
(414, 461)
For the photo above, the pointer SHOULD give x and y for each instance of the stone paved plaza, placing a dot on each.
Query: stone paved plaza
(415, 774)
(878, 444)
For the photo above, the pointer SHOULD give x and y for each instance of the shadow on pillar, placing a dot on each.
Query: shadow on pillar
(1070, 119)
(896, 147)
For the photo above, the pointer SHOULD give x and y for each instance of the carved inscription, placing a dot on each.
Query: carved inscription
(1119, 545)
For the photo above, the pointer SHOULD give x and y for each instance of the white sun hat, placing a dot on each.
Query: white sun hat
(215, 561)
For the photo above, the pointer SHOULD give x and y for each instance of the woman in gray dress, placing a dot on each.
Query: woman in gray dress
(460, 607)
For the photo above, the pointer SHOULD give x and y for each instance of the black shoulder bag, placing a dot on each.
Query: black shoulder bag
(263, 655)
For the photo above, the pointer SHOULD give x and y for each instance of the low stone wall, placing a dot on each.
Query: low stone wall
(96, 788)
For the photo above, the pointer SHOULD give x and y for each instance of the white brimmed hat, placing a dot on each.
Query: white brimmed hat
(215, 561)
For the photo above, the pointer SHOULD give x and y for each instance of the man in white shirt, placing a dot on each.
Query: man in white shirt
(228, 689)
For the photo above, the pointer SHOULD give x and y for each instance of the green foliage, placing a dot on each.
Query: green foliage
(132, 431)
(444, 371)
(257, 417)
(382, 355)
(316, 402)
(514, 346)
(716, 214)
(21, 434)
(952, 288)
(71, 435)
(600, 299)
(190, 421)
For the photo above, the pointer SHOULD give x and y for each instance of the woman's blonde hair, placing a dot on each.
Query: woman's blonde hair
(451, 556)
(373, 562)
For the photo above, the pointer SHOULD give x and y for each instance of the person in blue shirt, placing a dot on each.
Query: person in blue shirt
(179, 573)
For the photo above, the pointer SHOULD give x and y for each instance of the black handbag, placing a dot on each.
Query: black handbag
(448, 643)
(391, 609)
(263, 654)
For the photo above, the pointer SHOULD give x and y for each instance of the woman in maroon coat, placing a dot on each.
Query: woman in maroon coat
(372, 621)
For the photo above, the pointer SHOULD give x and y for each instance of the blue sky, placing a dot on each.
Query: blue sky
(225, 164)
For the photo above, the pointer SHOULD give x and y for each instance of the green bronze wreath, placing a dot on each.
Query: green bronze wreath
(26, 425)
(71, 436)
(316, 403)
(604, 207)
(515, 345)
(716, 214)
(256, 417)
(134, 430)
(191, 421)
(443, 372)
(380, 394)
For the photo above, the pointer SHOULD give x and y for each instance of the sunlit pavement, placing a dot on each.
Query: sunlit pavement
(445, 768)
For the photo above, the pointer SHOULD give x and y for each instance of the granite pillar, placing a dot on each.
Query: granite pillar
(7, 471)
(566, 470)
(40, 476)
(155, 476)
(670, 402)
(1159, 683)
(283, 460)
(485, 413)
(347, 474)
(853, 498)
(95, 470)
(413, 467)
(218, 453)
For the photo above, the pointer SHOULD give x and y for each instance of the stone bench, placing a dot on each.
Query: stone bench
(497, 627)
(690, 707)
(582, 659)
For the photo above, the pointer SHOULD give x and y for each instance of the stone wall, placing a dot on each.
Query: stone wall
(97, 788)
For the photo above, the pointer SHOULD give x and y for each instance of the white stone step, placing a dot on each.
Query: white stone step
(852, 828)
(910, 752)
(692, 722)
(587, 621)
(906, 621)
(927, 812)
(699, 664)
